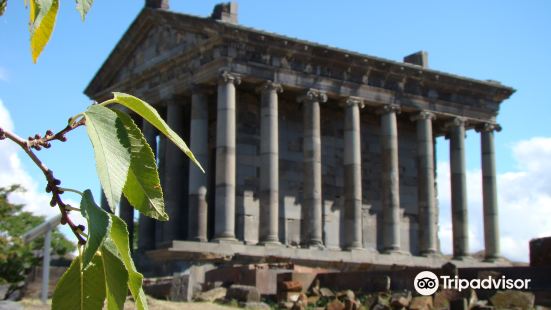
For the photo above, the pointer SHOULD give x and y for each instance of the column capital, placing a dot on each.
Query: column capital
(423, 115)
(455, 122)
(485, 127)
(313, 95)
(352, 101)
(227, 77)
(270, 86)
(389, 108)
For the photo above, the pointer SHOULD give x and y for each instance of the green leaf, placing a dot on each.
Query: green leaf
(116, 276)
(111, 149)
(143, 186)
(83, 6)
(81, 289)
(99, 224)
(3, 4)
(119, 235)
(149, 113)
(42, 22)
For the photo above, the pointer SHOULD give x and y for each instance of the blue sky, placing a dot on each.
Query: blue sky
(507, 41)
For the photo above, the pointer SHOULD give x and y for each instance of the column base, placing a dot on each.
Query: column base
(431, 254)
(198, 239)
(269, 243)
(395, 252)
(362, 250)
(315, 244)
(494, 259)
(463, 257)
(353, 247)
(226, 240)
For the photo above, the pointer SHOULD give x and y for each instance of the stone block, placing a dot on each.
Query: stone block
(256, 306)
(243, 293)
(352, 305)
(182, 288)
(158, 287)
(513, 299)
(290, 286)
(540, 252)
(212, 295)
(421, 303)
(305, 279)
(325, 292)
(301, 302)
(288, 296)
(335, 304)
(400, 299)
(443, 298)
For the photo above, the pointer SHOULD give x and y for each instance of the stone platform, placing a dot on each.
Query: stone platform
(325, 258)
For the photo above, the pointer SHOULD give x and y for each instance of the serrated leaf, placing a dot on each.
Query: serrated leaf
(119, 235)
(99, 225)
(42, 22)
(143, 186)
(111, 149)
(149, 113)
(79, 290)
(83, 6)
(116, 276)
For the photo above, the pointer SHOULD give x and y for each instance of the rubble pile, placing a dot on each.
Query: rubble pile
(325, 298)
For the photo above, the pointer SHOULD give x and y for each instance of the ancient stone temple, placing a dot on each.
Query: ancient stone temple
(313, 153)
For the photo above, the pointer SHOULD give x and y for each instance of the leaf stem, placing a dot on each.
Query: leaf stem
(71, 191)
(106, 102)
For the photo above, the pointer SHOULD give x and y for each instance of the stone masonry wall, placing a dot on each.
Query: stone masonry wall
(291, 173)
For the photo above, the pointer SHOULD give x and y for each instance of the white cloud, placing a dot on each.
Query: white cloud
(524, 201)
(12, 171)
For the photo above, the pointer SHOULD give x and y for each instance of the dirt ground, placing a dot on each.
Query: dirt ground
(154, 304)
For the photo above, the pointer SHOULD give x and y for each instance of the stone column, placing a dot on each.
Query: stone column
(146, 227)
(312, 202)
(458, 188)
(489, 191)
(390, 178)
(352, 174)
(269, 168)
(173, 173)
(198, 181)
(426, 196)
(225, 158)
(126, 213)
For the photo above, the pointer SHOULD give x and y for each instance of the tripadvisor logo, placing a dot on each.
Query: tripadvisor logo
(426, 283)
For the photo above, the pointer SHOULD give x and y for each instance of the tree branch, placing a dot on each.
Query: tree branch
(53, 183)
(38, 142)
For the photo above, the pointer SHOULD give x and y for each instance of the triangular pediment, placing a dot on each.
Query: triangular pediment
(150, 40)
(159, 44)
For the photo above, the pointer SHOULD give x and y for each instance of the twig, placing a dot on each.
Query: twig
(53, 183)
(38, 142)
